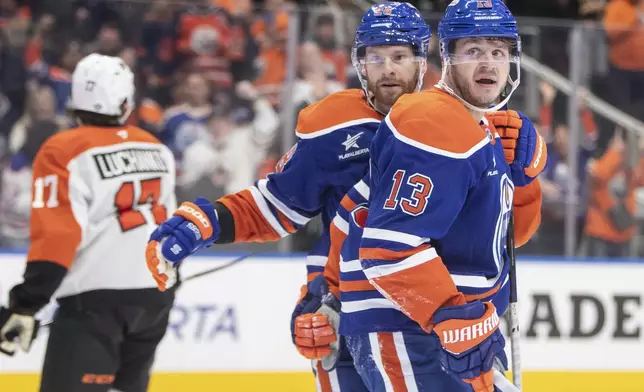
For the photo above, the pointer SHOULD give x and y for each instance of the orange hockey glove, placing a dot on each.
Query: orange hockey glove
(525, 150)
(315, 322)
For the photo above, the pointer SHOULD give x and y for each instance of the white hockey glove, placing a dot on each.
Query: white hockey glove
(16, 330)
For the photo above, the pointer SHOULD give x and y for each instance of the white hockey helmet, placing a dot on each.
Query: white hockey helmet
(103, 85)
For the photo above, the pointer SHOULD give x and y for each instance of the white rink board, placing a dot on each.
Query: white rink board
(238, 319)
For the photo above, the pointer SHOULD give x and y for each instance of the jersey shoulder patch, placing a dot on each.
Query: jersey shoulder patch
(435, 121)
(336, 111)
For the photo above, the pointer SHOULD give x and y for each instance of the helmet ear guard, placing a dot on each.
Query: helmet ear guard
(489, 19)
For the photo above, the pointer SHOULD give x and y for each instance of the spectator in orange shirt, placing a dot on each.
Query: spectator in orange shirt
(610, 222)
(334, 57)
(624, 24)
(272, 60)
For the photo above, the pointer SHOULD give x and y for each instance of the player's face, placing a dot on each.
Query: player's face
(479, 69)
(390, 71)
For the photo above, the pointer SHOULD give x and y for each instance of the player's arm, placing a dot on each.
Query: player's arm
(58, 216)
(278, 205)
(267, 211)
(527, 212)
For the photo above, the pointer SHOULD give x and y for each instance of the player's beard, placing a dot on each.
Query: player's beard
(386, 97)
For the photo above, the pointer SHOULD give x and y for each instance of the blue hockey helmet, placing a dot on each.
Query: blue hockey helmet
(480, 19)
(391, 23)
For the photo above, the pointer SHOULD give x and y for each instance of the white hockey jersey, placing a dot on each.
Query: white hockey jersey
(98, 193)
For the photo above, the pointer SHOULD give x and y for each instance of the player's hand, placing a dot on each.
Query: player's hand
(525, 150)
(16, 330)
(471, 341)
(192, 227)
(315, 322)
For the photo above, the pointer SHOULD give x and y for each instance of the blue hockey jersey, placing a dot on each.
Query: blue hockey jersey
(439, 197)
(331, 155)
(183, 125)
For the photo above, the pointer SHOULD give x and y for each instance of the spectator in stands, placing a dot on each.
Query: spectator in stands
(14, 22)
(243, 44)
(56, 72)
(271, 62)
(313, 82)
(614, 177)
(40, 109)
(557, 182)
(158, 58)
(187, 122)
(108, 41)
(15, 194)
(552, 101)
(208, 44)
(624, 24)
(240, 136)
(333, 53)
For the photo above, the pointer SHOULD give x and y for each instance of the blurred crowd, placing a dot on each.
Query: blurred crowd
(212, 78)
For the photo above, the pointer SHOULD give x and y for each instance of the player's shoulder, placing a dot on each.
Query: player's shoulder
(341, 110)
(64, 146)
(435, 121)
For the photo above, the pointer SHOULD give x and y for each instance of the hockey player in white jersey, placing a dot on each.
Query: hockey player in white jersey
(99, 190)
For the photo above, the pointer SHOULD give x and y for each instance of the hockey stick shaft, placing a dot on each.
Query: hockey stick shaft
(197, 275)
(514, 311)
(218, 268)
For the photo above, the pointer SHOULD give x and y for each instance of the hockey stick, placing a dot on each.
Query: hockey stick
(514, 302)
(218, 268)
(194, 276)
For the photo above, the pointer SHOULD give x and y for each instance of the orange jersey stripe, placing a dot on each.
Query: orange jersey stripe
(250, 224)
(347, 203)
(332, 268)
(323, 378)
(356, 285)
(391, 361)
(286, 223)
(311, 276)
(386, 254)
(492, 291)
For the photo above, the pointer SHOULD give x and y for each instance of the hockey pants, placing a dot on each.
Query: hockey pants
(103, 350)
(343, 378)
(403, 362)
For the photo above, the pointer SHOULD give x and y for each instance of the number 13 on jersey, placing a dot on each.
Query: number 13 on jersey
(417, 202)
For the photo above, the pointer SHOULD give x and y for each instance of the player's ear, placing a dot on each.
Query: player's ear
(363, 70)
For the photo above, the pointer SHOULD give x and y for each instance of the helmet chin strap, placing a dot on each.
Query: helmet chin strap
(442, 84)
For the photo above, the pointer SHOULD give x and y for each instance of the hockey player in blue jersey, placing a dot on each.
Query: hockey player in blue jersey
(422, 272)
(331, 155)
